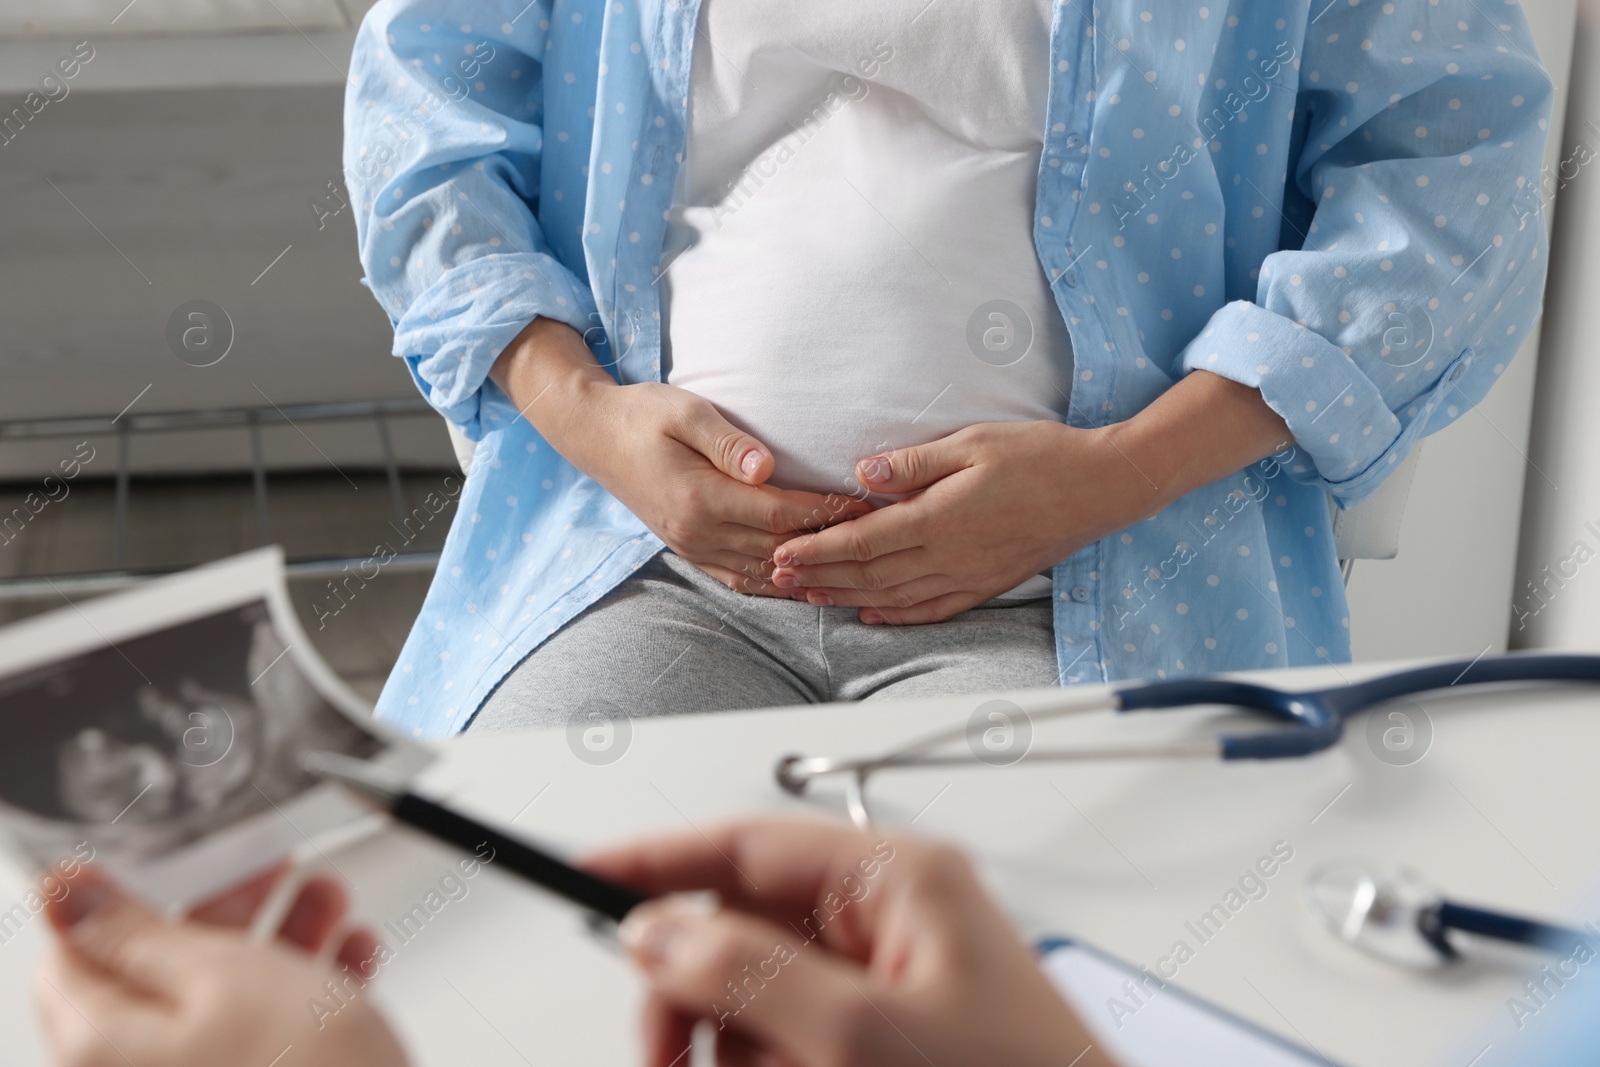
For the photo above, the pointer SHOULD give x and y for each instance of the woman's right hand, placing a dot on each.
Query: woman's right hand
(690, 475)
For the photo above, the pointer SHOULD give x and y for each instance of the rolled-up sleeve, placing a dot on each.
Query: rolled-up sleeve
(443, 143)
(1421, 272)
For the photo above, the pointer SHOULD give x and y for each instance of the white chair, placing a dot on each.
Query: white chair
(462, 447)
(1371, 529)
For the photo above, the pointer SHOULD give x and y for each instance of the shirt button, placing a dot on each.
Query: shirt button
(1080, 593)
(1074, 141)
(1455, 375)
(1071, 278)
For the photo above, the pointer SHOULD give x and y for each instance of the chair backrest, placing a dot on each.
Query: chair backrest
(462, 447)
(1371, 529)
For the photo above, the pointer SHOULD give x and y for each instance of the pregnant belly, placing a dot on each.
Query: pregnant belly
(873, 366)
(819, 426)
(830, 333)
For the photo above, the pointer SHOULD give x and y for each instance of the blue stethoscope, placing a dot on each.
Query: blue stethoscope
(1315, 719)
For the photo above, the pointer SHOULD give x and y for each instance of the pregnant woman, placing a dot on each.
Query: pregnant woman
(833, 350)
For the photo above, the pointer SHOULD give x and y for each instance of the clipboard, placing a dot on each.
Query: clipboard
(1157, 1024)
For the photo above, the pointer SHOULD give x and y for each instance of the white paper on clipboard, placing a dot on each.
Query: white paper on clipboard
(1170, 1028)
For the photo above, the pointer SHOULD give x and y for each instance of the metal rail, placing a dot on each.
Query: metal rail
(208, 418)
(249, 420)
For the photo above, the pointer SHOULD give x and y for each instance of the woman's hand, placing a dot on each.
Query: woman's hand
(122, 985)
(690, 475)
(996, 502)
(695, 480)
(855, 951)
(988, 506)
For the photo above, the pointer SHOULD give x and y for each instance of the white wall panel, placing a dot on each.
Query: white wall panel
(29, 18)
(1557, 584)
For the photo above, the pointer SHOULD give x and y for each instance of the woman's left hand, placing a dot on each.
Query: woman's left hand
(987, 507)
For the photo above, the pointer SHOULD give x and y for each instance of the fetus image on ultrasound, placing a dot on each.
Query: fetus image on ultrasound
(209, 747)
(163, 738)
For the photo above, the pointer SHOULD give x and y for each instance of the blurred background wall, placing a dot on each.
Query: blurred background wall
(195, 156)
(1557, 586)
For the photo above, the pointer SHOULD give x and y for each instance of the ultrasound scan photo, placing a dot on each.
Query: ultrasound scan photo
(174, 748)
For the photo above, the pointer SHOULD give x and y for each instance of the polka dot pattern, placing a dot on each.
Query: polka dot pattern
(522, 165)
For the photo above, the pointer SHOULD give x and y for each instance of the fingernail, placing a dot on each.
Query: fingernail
(750, 462)
(653, 931)
(871, 617)
(785, 579)
(783, 557)
(651, 936)
(875, 469)
(821, 600)
(83, 901)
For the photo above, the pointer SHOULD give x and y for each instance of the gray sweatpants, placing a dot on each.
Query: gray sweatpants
(671, 639)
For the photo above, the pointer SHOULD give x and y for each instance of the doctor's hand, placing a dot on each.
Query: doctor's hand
(122, 985)
(691, 476)
(986, 508)
(835, 948)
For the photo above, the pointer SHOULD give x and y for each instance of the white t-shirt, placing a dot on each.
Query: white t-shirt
(850, 264)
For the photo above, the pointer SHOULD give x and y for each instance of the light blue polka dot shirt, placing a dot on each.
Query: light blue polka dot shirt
(1335, 202)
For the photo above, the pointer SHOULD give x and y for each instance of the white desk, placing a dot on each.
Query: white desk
(1503, 810)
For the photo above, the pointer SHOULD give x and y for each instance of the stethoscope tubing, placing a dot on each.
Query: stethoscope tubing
(1318, 716)
(1448, 915)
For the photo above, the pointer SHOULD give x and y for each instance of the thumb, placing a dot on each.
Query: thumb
(766, 981)
(121, 936)
(733, 452)
(905, 470)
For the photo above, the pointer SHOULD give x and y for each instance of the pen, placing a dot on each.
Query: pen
(388, 790)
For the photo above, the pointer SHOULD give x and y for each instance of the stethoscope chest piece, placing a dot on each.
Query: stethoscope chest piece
(1395, 915)
(1380, 912)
